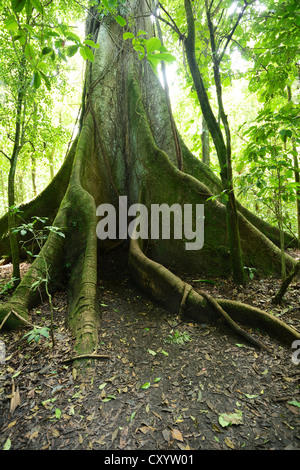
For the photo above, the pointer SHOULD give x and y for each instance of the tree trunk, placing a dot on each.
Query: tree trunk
(223, 148)
(126, 147)
(205, 143)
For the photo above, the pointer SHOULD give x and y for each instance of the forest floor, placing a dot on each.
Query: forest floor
(165, 385)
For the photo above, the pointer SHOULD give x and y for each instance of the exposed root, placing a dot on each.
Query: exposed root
(168, 289)
(233, 325)
(187, 290)
(277, 299)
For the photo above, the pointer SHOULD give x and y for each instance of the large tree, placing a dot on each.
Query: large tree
(126, 146)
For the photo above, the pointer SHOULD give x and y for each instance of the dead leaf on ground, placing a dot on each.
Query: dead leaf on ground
(229, 443)
(177, 434)
(15, 399)
(166, 435)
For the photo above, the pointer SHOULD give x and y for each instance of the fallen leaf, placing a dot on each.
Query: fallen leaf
(150, 351)
(157, 415)
(34, 435)
(183, 446)
(177, 434)
(7, 444)
(101, 441)
(15, 399)
(145, 429)
(227, 419)
(10, 425)
(114, 434)
(166, 435)
(229, 443)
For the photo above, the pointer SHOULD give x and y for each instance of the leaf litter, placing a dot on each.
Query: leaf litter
(210, 392)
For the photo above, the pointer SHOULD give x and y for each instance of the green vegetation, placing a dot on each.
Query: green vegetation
(83, 120)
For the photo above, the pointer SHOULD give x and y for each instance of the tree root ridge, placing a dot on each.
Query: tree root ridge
(173, 293)
(233, 325)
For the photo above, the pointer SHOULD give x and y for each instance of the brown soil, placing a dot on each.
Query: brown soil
(151, 394)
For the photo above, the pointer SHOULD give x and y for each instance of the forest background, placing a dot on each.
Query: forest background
(260, 83)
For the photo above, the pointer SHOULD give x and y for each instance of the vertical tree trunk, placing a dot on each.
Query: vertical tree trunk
(51, 161)
(33, 175)
(205, 143)
(14, 245)
(223, 149)
(296, 172)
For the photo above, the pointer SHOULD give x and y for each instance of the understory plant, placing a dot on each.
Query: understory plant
(37, 237)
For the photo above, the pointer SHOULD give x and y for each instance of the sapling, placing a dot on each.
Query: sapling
(39, 236)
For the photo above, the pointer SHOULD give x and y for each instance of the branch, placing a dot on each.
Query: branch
(232, 32)
(172, 25)
(8, 158)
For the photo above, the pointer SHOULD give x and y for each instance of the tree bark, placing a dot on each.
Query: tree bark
(205, 143)
(126, 147)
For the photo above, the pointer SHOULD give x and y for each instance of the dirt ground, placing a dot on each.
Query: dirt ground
(165, 385)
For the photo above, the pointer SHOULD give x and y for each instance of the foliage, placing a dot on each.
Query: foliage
(38, 236)
(177, 337)
(7, 287)
(36, 334)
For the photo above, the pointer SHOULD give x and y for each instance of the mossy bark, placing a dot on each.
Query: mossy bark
(126, 147)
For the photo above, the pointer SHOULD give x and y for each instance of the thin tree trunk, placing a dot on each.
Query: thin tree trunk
(51, 161)
(223, 150)
(205, 143)
(296, 172)
(33, 175)
(14, 245)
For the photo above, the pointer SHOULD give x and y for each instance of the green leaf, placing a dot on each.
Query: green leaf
(72, 36)
(145, 386)
(10, 23)
(112, 3)
(153, 353)
(227, 419)
(46, 80)
(153, 44)
(47, 50)
(71, 50)
(7, 444)
(120, 20)
(166, 57)
(18, 5)
(57, 413)
(36, 81)
(226, 81)
(37, 5)
(86, 53)
(91, 43)
(294, 403)
(29, 52)
(128, 36)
